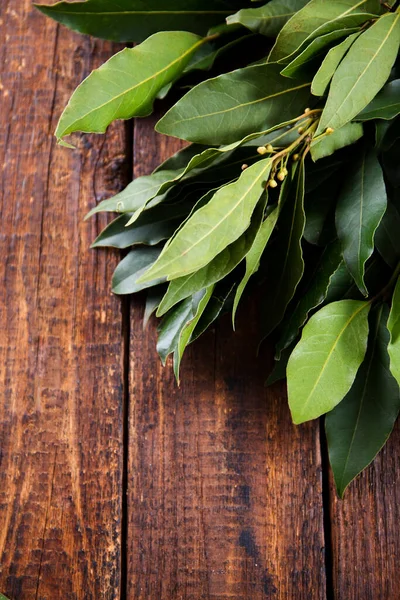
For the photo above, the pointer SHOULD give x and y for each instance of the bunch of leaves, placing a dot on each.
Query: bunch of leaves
(290, 181)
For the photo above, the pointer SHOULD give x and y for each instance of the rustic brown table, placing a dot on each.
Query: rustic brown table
(114, 483)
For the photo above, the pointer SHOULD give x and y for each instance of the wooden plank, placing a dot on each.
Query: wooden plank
(365, 536)
(224, 494)
(60, 328)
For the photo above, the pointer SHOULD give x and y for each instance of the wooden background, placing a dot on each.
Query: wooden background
(114, 483)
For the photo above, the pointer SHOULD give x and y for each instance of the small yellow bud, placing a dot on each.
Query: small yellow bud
(329, 130)
(269, 148)
(281, 175)
(244, 167)
(295, 157)
(307, 110)
(300, 130)
(262, 150)
(272, 183)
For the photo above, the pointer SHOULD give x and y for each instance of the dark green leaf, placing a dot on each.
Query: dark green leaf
(189, 328)
(387, 238)
(359, 427)
(324, 364)
(153, 299)
(328, 144)
(151, 227)
(127, 84)
(361, 206)
(229, 107)
(135, 20)
(312, 298)
(362, 73)
(268, 19)
(394, 330)
(287, 265)
(174, 322)
(386, 105)
(137, 262)
(253, 257)
(218, 304)
(329, 65)
(213, 227)
(279, 369)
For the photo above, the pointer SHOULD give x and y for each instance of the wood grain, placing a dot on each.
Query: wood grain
(365, 530)
(60, 328)
(224, 496)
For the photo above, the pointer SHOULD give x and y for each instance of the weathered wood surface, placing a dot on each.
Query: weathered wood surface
(206, 492)
(365, 528)
(60, 328)
(224, 492)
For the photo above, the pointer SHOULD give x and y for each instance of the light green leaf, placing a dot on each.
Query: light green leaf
(188, 329)
(317, 18)
(359, 427)
(135, 20)
(130, 268)
(268, 19)
(394, 330)
(287, 265)
(329, 65)
(254, 256)
(318, 46)
(227, 108)
(313, 297)
(386, 105)
(328, 144)
(213, 227)
(217, 269)
(361, 206)
(324, 364)
(362, 73)
(127, 84)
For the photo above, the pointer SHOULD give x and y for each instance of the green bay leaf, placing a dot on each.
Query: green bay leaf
(268, 19)
(286, 266)
(315, 48)
(394, 330)
(313, 297)
(217, 269)
(227, 108)
(137, 262)
(387, 238)
(128, 83)
(362, 73)
(328, 144)
(319, 17)
(324, 363)
(386, 105)
(360, 425)
(189, 328)
(135, 20)
(213, 227)
(361, 206)
(329, 65)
